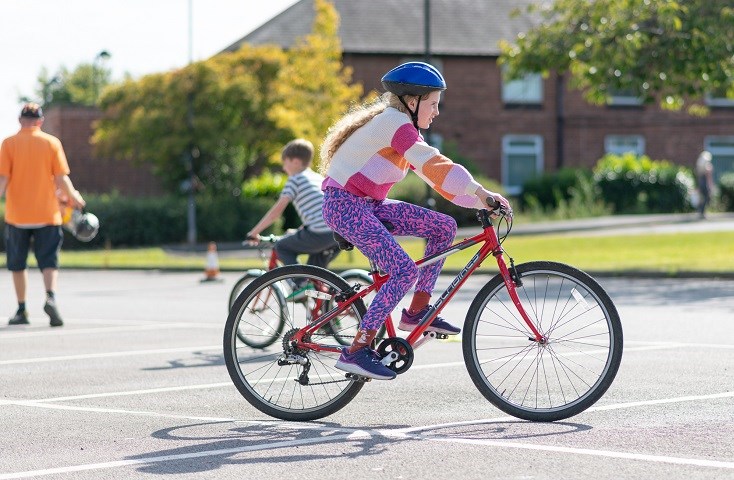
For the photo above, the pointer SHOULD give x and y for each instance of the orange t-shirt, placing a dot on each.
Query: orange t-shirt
(30, 160)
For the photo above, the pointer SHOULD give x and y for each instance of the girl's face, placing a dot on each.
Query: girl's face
(428, 109)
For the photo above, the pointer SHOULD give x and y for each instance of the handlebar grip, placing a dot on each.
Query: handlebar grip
(493, 203)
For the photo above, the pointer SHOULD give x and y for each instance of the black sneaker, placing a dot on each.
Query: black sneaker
(20, 318)
(53, 314)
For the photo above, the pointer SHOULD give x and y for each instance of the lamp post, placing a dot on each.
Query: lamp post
(96, 69)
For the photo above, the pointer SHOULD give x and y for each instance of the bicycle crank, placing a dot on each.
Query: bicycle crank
(396, 353)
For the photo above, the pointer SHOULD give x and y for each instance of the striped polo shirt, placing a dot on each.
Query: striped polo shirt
(304, 190)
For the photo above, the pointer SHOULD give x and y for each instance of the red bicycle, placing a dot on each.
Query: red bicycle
(542, 340)
(262, 331)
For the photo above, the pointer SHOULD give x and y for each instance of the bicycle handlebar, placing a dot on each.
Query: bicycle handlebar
(261, 238)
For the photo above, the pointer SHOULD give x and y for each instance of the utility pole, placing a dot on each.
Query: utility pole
(189, 154)
(430, 201)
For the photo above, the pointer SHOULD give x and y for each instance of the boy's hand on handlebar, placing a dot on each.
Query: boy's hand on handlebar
(252, 239)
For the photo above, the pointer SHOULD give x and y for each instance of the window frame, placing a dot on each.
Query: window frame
(608, 139)
(530, 77)
(508, 150)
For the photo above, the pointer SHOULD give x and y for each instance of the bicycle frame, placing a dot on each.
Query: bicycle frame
(490, 245)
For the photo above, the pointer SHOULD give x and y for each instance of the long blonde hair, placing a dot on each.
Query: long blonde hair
(354, 119)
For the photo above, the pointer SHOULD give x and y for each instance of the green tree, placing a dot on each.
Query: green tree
(314, 87)
(665, 51)
(216, 109)
(81, 86)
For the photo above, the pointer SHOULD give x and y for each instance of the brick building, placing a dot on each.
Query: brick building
(512, 130)
(73, 125)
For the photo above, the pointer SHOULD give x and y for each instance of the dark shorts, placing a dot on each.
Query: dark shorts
(46, 245)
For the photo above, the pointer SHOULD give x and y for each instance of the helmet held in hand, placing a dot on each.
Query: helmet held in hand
(83, 225)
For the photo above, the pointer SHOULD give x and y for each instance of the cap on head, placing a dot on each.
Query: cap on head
(413, 78)
(31, 110)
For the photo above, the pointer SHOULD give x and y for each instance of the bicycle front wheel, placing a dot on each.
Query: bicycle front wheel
(345, 328)
(292, 382)
(265, 320)
(570, 369)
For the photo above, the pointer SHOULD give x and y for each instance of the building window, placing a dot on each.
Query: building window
(522, 160)
(433, 139)
(722, 154)
(621, 144)
(719, 99)
(623, 98)
(527, 90)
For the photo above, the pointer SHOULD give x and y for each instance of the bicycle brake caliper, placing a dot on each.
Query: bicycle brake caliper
(514, 275)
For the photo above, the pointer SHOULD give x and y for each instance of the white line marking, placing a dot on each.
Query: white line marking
(359, 434)
(168, 458)
(120, 394)
(46, 332)
(129, 353)
(585, 451)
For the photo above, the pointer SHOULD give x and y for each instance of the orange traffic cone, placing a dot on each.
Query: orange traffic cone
(211, 272)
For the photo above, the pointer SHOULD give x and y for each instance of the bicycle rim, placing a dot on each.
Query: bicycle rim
(558, 378)
(269, 380)
(262, 323)
(345, 327)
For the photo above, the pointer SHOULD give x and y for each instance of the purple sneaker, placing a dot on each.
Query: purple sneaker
(365, 362)
(438, 325)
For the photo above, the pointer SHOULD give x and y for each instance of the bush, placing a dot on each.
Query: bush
(138, 222)
(633, 184)
(580, 198)
(726, 192)
(549, 189)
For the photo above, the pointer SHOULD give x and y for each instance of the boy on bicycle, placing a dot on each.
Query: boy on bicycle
(303, 188)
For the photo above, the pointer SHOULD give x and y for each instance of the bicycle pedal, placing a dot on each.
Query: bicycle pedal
(358, 378)
(436, 335)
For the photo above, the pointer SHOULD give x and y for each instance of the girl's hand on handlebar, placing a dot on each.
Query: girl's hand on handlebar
(496, 203)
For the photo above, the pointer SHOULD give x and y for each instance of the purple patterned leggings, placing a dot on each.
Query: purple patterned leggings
(358, 220)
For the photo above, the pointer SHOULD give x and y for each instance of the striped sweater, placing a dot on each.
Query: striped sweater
(378, 155)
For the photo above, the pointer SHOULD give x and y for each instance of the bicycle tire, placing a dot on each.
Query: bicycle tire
(551, 381)
(261, 331)
(342, 330)
(240, 285)
(268, 385)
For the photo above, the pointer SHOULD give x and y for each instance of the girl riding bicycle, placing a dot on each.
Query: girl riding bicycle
(362, 157)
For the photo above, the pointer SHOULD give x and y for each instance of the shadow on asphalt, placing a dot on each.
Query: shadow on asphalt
(224, 444)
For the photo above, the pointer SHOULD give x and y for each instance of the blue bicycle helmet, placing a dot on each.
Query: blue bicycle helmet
(413, 78)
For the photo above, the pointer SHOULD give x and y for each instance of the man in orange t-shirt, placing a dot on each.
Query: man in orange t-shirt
(33, 168)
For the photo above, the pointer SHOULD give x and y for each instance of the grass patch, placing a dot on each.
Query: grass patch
(661, 253)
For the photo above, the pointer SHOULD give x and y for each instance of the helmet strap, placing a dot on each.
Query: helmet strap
(413, 114)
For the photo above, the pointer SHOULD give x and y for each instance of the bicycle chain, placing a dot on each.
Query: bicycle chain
(326, 383)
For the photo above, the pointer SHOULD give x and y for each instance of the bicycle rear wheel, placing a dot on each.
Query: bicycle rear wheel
(292, 382)
(550, 380)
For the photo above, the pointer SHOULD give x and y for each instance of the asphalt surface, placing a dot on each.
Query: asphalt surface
(134, 386)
